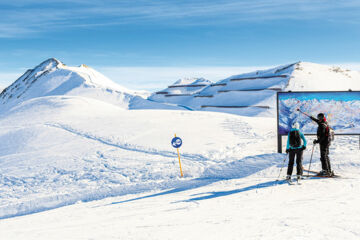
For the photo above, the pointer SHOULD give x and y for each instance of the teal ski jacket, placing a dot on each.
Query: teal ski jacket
(302, 137)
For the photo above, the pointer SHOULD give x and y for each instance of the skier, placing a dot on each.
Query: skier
(294, 147)
(324, 139)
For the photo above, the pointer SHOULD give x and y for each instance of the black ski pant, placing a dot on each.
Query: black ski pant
(324, 157)
(298, 153)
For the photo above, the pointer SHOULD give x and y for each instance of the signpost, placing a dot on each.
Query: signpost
(176, 142)
(341, 108)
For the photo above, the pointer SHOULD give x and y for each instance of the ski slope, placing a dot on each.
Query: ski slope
(115, 175)
(60, 149)
(74, 164)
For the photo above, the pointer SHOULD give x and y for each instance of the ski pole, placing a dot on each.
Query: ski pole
(312, 152)
(303, 112)
(282, 166)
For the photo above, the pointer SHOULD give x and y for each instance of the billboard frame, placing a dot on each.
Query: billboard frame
(279, 136)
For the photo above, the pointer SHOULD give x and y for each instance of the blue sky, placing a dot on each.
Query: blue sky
(169, 39)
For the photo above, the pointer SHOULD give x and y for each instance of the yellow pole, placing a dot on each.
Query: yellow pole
(182, 175)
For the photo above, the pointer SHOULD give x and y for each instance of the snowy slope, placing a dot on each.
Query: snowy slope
(254, 94)
(63, 150)
(57, 150)
(51, 77)
(117, 175)
(316, 77)
(181, 88)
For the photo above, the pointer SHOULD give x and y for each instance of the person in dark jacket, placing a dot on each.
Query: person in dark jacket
(295, 148)
(323, 138)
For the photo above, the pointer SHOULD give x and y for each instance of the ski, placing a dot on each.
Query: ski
(310, 171)
(319, 176)
(289, 181)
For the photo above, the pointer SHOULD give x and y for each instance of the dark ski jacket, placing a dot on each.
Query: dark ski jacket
(322, 136)
(301, 136)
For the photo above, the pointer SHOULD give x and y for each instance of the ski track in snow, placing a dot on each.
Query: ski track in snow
(228, 189)
(213, 171)
(124, 146)
(105, 176)
(110, 186)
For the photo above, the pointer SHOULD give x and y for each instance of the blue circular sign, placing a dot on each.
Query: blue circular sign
(176, 142)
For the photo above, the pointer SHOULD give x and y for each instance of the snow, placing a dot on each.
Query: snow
(244, 206)
(52, 77)
(86, 149)
(77, 164)
(256, 90)
(317, 77)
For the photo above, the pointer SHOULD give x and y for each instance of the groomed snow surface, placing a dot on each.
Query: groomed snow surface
(66, 150)
(75, 163)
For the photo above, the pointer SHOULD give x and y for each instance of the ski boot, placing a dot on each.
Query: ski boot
(323, 173)
(298, 178)
(288, 180)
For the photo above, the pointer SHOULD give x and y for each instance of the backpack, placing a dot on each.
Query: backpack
(329, 132)
(295, 140)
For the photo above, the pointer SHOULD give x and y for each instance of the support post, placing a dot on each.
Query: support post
(182, 175)
(181, 172)
(279, 143)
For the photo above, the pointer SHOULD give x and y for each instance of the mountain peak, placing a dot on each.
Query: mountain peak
(52, 60)
(52, 77)
(49, 63)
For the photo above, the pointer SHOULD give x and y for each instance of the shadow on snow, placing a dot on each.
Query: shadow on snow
(204, 182)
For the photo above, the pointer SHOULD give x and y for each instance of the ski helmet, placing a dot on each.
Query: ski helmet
(321, 117)
(296, 125)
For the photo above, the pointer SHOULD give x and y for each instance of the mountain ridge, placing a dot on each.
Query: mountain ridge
(248, 94)
(254, 93)
(52, 77)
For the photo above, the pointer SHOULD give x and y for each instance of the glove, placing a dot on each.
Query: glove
(316, 141)
(287, 150)
(303, 148)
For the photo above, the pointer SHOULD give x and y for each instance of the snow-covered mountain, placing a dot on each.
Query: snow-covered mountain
(182, 87)
(254, 94)
(52, 77)
(66, 140)
(248, 94)
(61, 153)
(163, 99)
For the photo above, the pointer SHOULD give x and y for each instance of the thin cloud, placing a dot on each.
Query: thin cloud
(49, 15)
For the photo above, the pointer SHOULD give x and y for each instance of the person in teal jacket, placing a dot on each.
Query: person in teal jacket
(294, 148)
